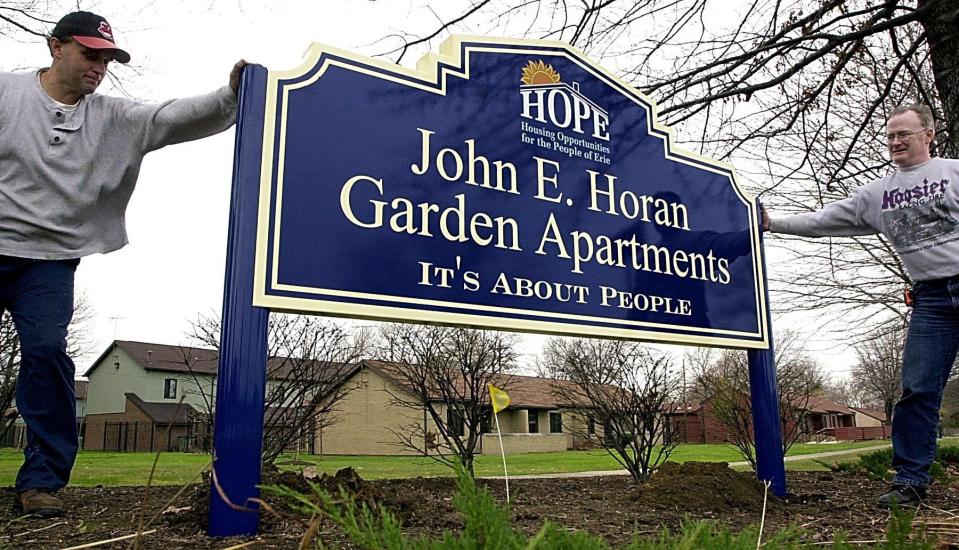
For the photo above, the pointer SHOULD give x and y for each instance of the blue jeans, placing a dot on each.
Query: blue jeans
(39, 296)
(930, 350)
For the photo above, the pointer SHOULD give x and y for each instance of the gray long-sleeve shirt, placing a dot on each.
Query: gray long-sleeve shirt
(916, 208)
(66, 176)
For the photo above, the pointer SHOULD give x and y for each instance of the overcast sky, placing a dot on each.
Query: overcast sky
(173, 268)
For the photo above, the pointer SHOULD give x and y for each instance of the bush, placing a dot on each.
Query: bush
(878, 464)
(948, 455)
(875, 465)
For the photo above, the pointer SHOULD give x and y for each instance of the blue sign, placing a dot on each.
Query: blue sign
(505, 184)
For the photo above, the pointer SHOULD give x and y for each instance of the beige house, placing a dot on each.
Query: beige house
(135, 390)
(367, 420)
(870, 418)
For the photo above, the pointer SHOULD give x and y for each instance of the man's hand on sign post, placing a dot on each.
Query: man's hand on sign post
(235, 75)
(765, 222)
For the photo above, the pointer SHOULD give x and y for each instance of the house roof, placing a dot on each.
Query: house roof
(163, 412)
(875, 413)
(534, 392)
(161, 357)
(525, 392)
(815, 404)
(80, 388)
(823, 405)
(191, 360)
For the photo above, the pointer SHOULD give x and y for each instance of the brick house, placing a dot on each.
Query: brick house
(870, 424)
(694, 422)
(150, 426)
(824, 414)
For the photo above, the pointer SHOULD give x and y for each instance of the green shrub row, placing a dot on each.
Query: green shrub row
(878, 464)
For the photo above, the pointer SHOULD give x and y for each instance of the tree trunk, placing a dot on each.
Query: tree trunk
(941, 24)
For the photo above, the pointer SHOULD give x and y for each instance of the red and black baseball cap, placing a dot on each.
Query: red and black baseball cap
(90, 30)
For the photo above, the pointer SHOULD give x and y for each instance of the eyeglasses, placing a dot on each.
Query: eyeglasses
(903, 136)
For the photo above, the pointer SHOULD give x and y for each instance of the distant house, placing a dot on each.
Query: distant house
(824, 414)
(80, 388)
(134, 384)
(146, 396)
(16, 436)
(695, 422)
(138, 388)
(367, 421)
(870, 417)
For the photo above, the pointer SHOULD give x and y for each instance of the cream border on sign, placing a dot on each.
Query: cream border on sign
(455, 60)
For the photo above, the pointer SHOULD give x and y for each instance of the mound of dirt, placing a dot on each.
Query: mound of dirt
(345, 480)
(699, 487)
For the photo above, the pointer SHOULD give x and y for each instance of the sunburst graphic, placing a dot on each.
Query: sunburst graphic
(537, 72)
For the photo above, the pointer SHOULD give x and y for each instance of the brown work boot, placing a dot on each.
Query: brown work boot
(40, 502)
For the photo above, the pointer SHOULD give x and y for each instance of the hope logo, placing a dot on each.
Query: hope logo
(546, 98)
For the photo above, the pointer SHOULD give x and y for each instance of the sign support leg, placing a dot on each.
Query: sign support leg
(241, 378)
(768, 429)
(764, 392)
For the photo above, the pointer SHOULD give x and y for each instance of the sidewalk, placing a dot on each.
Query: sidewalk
(825, 454)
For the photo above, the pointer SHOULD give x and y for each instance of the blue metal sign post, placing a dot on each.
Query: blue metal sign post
(506, 184)
(241, 374)
(767, 424)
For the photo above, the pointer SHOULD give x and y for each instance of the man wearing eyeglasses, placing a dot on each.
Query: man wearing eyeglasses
(916, 207)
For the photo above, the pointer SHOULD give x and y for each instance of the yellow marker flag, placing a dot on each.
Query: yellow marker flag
(498, 397)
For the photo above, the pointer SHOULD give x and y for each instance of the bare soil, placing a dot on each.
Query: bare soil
(612, 506)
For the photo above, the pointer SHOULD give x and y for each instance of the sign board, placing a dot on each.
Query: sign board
(506, 184)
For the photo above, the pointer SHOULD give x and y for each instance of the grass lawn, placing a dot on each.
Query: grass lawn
(110, 469)
(113, 469)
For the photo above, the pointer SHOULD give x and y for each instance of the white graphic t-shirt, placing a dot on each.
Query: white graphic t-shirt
(916, 208)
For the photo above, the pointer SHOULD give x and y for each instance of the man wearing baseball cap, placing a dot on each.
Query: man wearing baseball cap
(90, 30)
(69, 161)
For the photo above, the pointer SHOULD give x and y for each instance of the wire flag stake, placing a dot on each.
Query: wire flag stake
(500, 400)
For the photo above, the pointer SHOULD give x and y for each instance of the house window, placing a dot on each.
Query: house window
(486, 424)
(555, 423)
(534, 422)
(591, 425)
(454, 422)
(169, 388)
